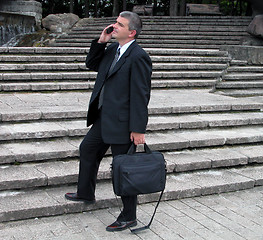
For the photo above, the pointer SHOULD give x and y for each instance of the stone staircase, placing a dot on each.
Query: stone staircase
(212, 143)
(168, 32)
(241, 80)
(53, 69)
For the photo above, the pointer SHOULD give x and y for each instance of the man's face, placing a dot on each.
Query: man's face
(121, 29)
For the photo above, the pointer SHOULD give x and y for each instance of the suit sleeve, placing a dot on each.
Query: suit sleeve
(140, 88)
(95, 55)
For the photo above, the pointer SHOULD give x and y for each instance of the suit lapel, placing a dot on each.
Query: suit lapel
(122, 59)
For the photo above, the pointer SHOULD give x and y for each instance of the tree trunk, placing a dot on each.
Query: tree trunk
(71, 6)
(86, 8)
(96, 8)
(182, 7)
(115, 10)
(124, 5)
(154, 7)
(173, 7)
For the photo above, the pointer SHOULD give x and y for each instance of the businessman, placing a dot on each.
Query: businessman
(118, 108)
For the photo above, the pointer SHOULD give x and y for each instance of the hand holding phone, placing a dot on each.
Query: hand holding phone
(109, 30)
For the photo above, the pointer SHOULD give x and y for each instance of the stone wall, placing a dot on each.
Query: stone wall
(12, 24)
(252, 54)
(23, 7)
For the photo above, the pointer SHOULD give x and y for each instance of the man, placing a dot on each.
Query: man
(118, 107)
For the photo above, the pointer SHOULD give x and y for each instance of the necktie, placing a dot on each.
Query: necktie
(115, 60)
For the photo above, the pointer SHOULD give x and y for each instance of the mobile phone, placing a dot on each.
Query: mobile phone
(109, 30)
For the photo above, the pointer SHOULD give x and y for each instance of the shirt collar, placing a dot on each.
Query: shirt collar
(125, 47)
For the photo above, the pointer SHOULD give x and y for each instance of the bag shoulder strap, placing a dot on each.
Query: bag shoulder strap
(149, 224)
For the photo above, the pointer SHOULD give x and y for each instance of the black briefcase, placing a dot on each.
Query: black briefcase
(137, 173)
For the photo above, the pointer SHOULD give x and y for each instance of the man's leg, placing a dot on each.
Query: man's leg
(92, 150)
(129, 202)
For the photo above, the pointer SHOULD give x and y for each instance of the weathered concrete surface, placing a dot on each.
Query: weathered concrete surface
(252, 54)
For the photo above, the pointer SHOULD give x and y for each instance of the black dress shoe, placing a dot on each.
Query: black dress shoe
(119, 226)
(75, 197)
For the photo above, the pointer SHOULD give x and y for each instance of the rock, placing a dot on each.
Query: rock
(256, 26)
(60, 22)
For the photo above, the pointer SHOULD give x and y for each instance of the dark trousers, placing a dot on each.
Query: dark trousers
(92, 150)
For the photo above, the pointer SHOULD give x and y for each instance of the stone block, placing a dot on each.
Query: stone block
(246, 106)
(218, 181)
(17, 177)
(75, 128)
(45, 86)
(171, 141)
(41, 150)
(224, 157)
(187, 161)
(60, 172)
(20, 115)
(75, 86)
(37, 130)
(179, 186)
(5, 133)
(215, 107)
(223, 120)
(256, 26)
(254, 173)
(10, 87)
(22, 50)
(202, 138)
(6, 155)
(245, 135)
(79, 75)
(17, 76)
(60, 22)
(22, 206)
(12, 67)
(186, 109)
(45, 76)
(162, 123)
(60, 113)
(254, 153)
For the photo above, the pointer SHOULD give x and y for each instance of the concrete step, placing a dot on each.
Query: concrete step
(162, 25)
(41, 76)
(236, 62)
(88, 85)
(170, 140)
(241, 92)
(54, 173)
(31, 67)
(161, 35)
(21, 107)
(71, 51)
(176, 19)
(81, 58)
(16, 205)
(245, 69)
(166, 27)
(155, 43)
(239, 85)
(72, 128)
(174, 39)
(243, 76)
(179, 45)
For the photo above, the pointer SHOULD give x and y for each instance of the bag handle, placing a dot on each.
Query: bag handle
(133, 148)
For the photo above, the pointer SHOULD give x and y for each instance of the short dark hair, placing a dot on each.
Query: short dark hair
(135, 22)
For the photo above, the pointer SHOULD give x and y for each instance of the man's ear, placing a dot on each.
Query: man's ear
(132, 34)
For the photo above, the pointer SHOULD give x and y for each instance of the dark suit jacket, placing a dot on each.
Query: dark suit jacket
(126, 92)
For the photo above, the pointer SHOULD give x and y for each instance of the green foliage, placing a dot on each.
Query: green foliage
(103, 8)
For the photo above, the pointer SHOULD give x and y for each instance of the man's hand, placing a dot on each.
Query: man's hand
(137, 138)
(104, 37)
